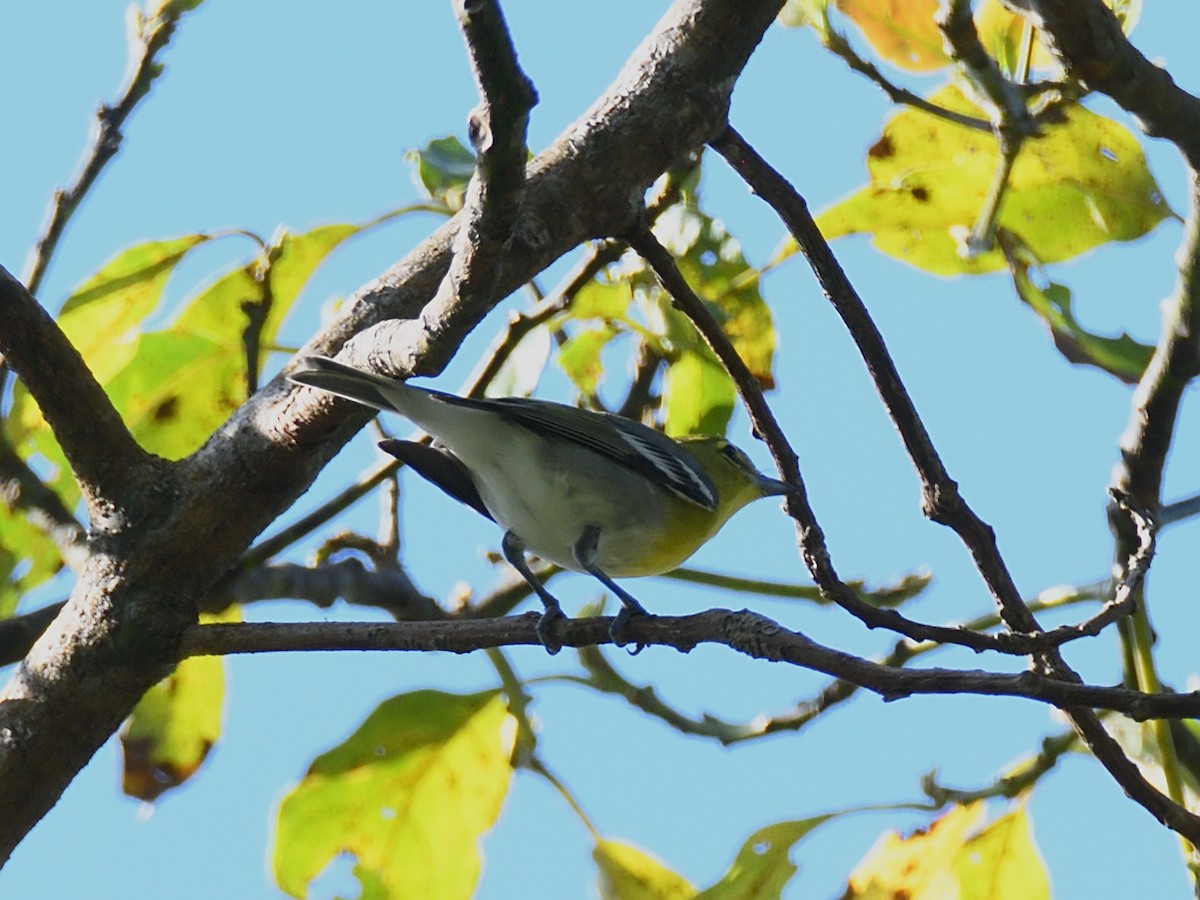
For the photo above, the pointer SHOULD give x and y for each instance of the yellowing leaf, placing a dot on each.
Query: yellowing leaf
(102, 316)
(711, 260)
(579, 357)
(630, 873)
(219, 310)
(1001, 862)
(901, 31)
(919, 867)
(409, 795)
(175, 724)
(176, 390)
(1082, 184)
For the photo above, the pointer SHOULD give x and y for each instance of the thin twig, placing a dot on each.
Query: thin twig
(147, 38)
(745, 631)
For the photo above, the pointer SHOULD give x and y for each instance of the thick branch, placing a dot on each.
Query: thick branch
(105, 458)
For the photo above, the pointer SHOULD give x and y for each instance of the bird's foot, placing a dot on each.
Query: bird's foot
(546, 628)
(620, 626)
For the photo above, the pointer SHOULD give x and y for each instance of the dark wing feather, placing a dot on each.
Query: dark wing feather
(629, 443)
(439, 467)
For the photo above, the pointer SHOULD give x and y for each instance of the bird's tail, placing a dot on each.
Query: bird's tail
(345, 381)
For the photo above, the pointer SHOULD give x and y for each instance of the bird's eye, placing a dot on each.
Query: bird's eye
(735, 456)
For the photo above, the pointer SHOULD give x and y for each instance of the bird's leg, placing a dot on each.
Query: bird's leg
(584, 552)
(513, 549)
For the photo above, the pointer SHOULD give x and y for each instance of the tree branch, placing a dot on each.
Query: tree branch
(745, 631)
(106, 460)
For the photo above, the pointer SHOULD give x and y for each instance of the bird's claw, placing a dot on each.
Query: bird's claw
(546, 628)
(620, 624)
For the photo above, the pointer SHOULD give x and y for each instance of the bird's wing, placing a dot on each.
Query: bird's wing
(439, 467)
(622, 440)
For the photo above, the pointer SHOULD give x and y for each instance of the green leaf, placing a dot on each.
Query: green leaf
(608, 300)
(712, 262)
(579, 357)
(1001, 862)
(28, 557)
(219, 311)
(409, 795)
(102, 316)
(1082, 184)
(177, 390)
(1120, 356)
(630, 873)
(175, 724)
(763, 868)
(444, 168)
(699, 395)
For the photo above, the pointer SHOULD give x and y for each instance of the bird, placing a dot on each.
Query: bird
(591, 492)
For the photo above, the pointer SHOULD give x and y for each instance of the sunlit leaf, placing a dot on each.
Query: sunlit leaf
(698, 395)
(1001, 862)
(806, 12)
(901, 31)
(579, 357)
(102, 315)
(175, 724)
(763, 866)
(444, 168)
(1121, 356)
(712, 262)
(274, 280)
(408, 795)
(919, 867)
(176, 390)
(630, 873)
(1003, 33)
(1082, 184)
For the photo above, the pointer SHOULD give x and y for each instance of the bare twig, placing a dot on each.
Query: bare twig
(1012, 785)
(745, 631)
(147, 38)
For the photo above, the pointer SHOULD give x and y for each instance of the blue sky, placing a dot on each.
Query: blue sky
(298, 114)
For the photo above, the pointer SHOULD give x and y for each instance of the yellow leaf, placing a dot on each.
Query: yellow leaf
(1083, 183)
(630, 873)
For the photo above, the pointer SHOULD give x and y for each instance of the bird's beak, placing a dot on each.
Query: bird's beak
(772, 487)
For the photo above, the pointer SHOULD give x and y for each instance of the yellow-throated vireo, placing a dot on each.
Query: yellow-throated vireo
(591, 492)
